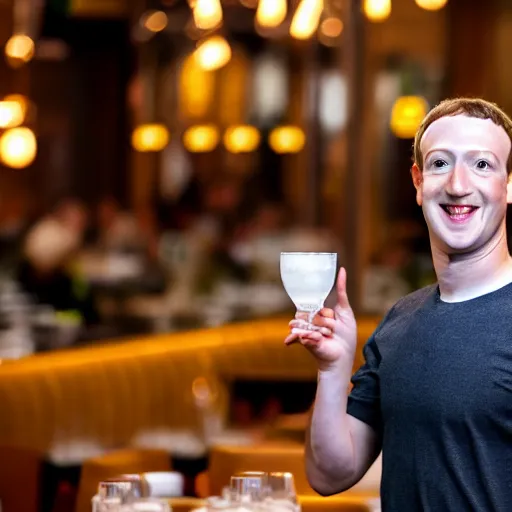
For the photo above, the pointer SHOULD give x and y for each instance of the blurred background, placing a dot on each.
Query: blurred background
(156, 156)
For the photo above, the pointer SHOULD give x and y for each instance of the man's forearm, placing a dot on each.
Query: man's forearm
(330, 461)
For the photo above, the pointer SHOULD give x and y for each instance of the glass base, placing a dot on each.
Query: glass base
(306, 318)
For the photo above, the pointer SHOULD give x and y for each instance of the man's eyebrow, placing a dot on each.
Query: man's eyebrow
(439, 149)
(470, 152)
(483, 152)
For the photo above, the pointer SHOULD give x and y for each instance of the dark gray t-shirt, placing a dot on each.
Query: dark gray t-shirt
(437, 388)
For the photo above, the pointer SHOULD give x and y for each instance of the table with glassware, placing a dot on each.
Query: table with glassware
(249, 491)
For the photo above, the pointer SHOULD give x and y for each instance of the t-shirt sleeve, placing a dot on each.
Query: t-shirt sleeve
(364, 399)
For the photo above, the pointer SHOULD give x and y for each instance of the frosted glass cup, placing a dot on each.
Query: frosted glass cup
(308, 278)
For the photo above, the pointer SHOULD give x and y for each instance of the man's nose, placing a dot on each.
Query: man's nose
(459, 183)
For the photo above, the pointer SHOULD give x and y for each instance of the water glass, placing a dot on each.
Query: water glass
(308, 278)
(281, 486)
(251, 485)
(113, 492)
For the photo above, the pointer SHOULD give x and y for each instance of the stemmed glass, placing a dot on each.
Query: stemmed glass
(308, 278)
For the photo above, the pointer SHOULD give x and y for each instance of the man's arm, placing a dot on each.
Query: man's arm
(339, 448)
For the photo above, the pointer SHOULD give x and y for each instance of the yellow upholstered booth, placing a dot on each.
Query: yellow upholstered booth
(109, 392)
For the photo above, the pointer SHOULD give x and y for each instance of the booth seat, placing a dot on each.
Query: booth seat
(109, 392)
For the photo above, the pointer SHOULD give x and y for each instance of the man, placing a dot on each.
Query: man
(435, 392)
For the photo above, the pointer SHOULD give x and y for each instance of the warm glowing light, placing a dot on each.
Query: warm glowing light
(406, 116)
(233, 94)
(207, 14)
(331, 27)
(196, 89)
(213, 53)
(431, 5)
(201, 138)
(21, 100)
(200, 388)
(241, 139)
(306, 18)
(18, 147)
(150, 137)
(20, 47)
(271, 13)
(204, 392)
(377, 10)
(287, 139)
(11, 114)
(154, 21)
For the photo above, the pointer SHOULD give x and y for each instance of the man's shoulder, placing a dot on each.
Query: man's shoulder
(415, 299)
(404, 310)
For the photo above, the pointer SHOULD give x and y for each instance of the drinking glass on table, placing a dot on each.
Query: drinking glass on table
(308, 278)
(281, 486)
(250, 485)
(112, 492)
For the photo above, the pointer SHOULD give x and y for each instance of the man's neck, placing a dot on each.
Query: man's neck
(467, 276)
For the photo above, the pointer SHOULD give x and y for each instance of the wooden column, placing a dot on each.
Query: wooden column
(470, 42)
(356, 195)
(101, 63)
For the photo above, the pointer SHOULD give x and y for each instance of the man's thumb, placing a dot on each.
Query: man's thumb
(341, 288)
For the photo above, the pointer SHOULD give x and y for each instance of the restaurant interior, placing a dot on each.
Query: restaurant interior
(156, 157)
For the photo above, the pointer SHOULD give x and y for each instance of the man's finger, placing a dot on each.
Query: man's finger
(326, 313)
(291, 338)
(341, 288)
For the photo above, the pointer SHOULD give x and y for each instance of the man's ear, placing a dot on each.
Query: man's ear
(417, 179)
(509, 188)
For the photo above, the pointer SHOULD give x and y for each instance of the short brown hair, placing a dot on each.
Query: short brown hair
(471, 107)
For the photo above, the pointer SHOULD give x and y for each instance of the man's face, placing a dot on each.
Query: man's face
(463, 188)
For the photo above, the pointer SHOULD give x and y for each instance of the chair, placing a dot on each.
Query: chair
(114, 464)
(228, 460)
(20, 476)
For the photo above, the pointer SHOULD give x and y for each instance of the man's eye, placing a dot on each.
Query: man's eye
(483, 165)
(439, 163)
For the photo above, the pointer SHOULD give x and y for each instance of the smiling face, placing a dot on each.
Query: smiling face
(463, 188)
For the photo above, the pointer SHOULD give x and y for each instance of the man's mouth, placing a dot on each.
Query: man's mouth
(459, 212)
